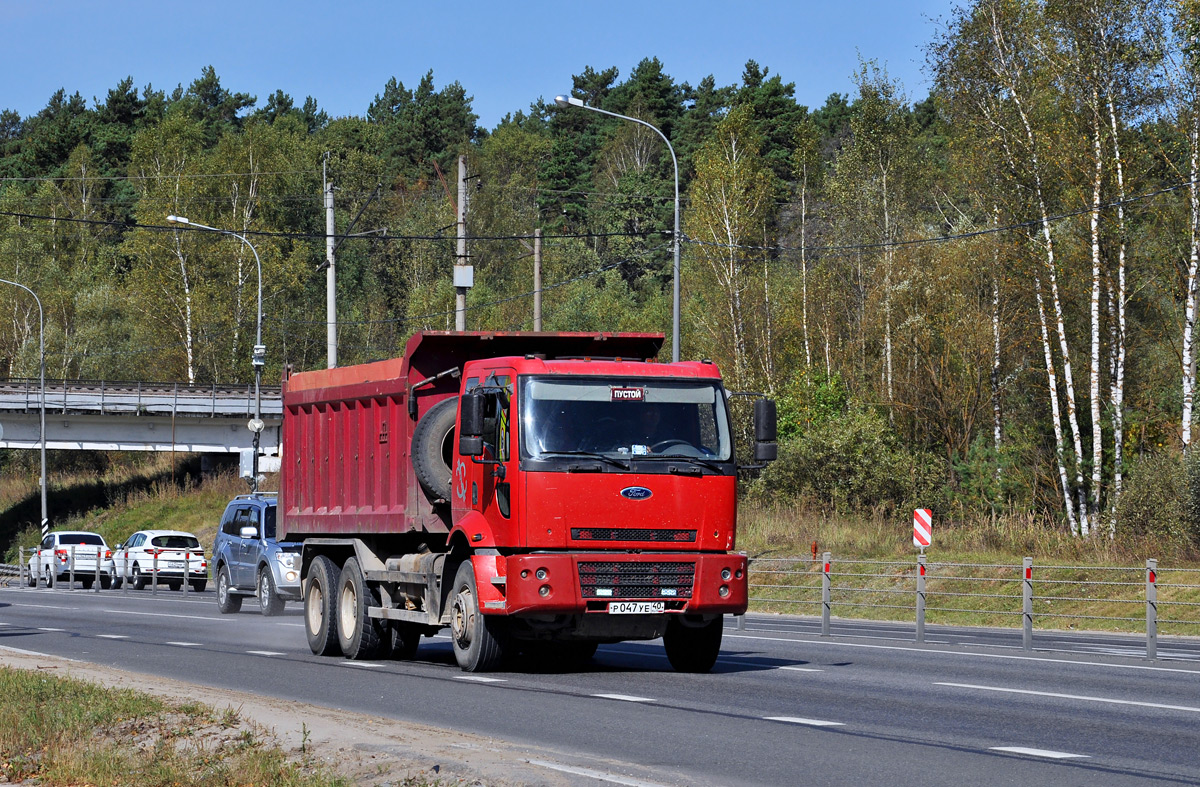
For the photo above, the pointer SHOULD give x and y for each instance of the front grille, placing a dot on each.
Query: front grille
(632, 534)
(662, 579)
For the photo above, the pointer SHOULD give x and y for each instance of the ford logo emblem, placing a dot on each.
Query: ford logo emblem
(636, 493)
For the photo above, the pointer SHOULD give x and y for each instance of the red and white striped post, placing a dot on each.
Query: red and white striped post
(922, 528)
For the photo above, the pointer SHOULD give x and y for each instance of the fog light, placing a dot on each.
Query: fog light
(723, 591)
(541, 574)
(725, 574)
(291, 576)
(738, 574)
(524, 573)
(544, 591)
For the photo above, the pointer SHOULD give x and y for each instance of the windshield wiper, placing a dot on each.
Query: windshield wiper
(694, 460)
(589, 455)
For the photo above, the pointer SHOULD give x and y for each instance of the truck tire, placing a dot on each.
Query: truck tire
(405, 639)
(693, 648)
(269, 602)
(320, 608)
(227, 601)
(433, 447)
(359, 635)
(478, 639)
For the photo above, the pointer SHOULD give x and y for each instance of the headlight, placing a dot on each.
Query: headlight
(286, 559)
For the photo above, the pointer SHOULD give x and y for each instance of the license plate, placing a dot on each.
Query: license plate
(174, 564)
(636, 607)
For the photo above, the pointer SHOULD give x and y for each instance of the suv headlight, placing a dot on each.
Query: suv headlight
(286, 559)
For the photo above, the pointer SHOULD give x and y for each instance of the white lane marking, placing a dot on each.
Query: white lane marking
(623, 698)
(805, 722)
(265, 653)
(1109, 700)
(802, 669)
(112, 636)
(359, 664)
(129, 612)
(42, 628)
(296, 625)
(597, 775)
(926, 651)
(36, 653)
(1054, 755)
(186, 644)
(4, 624)
(480, 679)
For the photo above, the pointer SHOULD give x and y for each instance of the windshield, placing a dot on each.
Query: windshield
(624, 418)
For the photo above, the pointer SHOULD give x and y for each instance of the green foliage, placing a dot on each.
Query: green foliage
(855, 463)
(1157, 501)
(809, 399)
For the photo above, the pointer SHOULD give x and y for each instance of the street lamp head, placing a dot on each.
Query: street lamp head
(568, 101)
(177, 220)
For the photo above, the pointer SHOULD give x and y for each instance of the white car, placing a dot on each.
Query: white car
(61, 551)
(175, 556)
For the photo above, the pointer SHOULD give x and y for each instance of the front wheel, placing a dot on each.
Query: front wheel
(227, 602)
(478, 639)
(319, 607)
(693, 648)
(269, 602)
(138, 581)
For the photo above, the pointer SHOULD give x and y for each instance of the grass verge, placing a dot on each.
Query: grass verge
(64, 731)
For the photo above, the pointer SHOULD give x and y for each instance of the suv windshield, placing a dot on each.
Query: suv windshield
(622, 418)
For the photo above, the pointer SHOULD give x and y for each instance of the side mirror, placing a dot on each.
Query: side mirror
(470, 434)
(249, 531)
(766, 430)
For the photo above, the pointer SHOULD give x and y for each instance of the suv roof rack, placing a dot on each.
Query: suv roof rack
(256, 495)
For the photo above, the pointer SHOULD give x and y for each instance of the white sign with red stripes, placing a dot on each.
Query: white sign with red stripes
(922, 527)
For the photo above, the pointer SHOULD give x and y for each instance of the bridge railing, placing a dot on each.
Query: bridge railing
(149, 398)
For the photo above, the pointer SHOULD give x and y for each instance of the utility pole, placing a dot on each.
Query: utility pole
(537, 279)
(464, 274)
(330, 274)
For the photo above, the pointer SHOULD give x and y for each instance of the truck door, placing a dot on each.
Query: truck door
(490, 482)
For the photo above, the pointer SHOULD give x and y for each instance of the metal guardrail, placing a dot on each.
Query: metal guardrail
(120, 397)
(1137, 597)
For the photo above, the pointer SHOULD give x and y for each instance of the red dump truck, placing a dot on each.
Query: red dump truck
(537, 493)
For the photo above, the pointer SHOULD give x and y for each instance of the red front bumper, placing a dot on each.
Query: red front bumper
(579, 583)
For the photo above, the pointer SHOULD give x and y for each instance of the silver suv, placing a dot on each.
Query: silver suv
(247, 560)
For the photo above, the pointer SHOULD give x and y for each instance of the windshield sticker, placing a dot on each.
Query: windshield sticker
(628, 394)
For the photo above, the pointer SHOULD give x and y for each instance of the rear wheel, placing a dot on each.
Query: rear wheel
(693, 648)
(87, 582)
(359, 635)
(405, 639)
(198, 585)
(227, 602)
(319, 607)
(478, 639)
(176, 585)
(269, 602)
(105, 582)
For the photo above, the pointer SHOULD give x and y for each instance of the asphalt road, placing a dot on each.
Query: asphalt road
(784, 706)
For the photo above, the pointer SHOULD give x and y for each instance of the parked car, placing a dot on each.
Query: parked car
(176, 556)
(52, 560)
(247, 560)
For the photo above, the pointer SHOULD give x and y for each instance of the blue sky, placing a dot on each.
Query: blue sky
(505, 54)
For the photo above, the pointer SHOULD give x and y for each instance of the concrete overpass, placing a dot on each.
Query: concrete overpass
(96, 415)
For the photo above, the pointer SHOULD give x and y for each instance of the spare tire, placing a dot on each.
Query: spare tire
(433, 448)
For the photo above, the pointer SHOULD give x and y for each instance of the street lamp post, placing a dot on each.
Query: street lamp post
(42, 382)
(259, 356)
(571, 101)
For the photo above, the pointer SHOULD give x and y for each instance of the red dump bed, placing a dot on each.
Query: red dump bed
(346, 468)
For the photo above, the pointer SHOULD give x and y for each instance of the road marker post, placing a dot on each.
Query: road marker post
(1027, 603)
(21, 565)
(825, 593)
(154, 579)
(1151, 609)
(187, 571)
(922, 528)
(71, 570)
(96, 581)
(921, 597)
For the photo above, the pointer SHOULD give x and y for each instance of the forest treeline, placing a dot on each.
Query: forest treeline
(982, 301)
